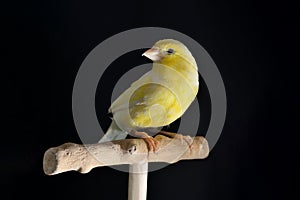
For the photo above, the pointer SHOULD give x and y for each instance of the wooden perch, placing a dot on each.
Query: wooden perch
(83, 158)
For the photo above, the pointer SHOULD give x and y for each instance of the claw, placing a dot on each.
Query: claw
(188, 139)
(152, 143)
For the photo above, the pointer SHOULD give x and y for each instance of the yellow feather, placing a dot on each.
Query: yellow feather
(163, 94)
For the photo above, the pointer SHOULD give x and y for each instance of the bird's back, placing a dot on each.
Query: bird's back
(157, 99)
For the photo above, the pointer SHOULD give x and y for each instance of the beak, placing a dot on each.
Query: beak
(153, 54)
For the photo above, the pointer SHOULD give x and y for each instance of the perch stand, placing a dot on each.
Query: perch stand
(134, 152)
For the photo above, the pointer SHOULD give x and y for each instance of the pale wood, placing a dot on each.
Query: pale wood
(137, 182)
(83, 158)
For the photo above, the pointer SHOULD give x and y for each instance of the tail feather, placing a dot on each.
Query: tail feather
(113, 133)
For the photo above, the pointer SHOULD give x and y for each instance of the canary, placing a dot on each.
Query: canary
(159, 97)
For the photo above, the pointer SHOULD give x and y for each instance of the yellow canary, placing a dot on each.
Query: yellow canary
(159, 97)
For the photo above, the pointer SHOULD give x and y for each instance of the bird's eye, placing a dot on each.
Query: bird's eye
(170, 51)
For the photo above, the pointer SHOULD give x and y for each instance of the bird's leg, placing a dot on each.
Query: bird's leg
(186, 138)
(151, 142)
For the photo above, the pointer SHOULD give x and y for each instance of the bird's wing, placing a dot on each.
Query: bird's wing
(156, 99)
(119, 103)
(154, 105)
(151, 105)
(114, 132)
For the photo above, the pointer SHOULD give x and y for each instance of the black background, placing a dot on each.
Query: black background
(252, 43)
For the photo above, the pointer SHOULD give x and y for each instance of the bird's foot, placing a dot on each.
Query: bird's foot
(151, 142)
(183, 138)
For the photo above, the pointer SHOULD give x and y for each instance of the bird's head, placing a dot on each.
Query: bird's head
(168, 52)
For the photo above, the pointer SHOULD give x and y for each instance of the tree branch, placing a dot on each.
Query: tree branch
(83, 158)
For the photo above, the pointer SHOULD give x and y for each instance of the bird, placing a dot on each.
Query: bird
(157, 98)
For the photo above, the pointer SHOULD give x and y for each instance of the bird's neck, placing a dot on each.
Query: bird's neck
(185, 69)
